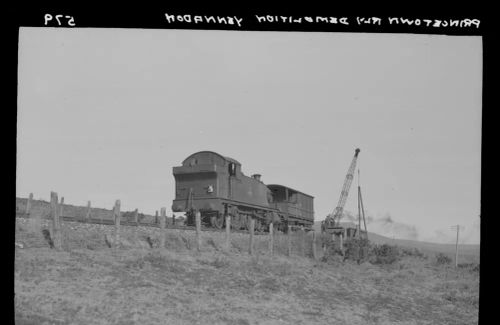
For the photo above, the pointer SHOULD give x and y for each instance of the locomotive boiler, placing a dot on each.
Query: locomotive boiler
(215, 186)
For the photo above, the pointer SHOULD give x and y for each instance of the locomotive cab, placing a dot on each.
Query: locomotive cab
(197, 182)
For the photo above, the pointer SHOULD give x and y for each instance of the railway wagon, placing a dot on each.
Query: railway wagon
(215, 186)
(295, 208)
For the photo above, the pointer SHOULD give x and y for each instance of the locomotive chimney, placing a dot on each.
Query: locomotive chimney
(257, 176)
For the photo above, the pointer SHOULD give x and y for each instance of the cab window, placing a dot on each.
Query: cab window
(232, 169)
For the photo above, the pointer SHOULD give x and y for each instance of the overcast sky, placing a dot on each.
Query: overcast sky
(104, 114)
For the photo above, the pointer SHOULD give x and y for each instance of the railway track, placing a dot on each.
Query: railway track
(110, 222)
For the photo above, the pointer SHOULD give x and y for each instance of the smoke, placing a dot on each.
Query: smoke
(387, 226)
(386, 220)
(472, 234)
(468, 234)
(404, 231)
(348, 216)
(442, 235)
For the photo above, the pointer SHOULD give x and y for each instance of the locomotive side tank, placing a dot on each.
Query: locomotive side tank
(215, 185)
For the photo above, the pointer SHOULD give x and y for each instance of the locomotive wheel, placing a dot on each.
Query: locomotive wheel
(217, 221)
(258, 225)
(246, 221)
(190, 219)
(236, 221)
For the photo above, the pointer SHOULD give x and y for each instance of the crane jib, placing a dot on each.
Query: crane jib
(345, 190)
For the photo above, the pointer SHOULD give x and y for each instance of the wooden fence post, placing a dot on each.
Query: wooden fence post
(342, 243)
(163, 216)
(156, 217)
(324, 243)
(198, 230)
(271, 239)
(314, 245)
(136, 222)
(61, 213)
(117, 215)
(289, 240)
(228, 232)
(302, 241)
(89, 212)
(56, 230)
(252, 229)
(28, 204)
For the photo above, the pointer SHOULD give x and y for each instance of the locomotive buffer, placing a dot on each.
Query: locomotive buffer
(331, 224)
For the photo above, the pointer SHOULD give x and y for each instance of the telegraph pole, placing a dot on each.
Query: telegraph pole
(456, 244)
(359, 210)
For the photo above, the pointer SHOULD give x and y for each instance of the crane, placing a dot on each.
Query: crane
(333, 219)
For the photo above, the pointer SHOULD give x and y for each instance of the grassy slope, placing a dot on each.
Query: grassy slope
(88, 283)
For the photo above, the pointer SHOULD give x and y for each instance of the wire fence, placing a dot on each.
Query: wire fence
(64, 226)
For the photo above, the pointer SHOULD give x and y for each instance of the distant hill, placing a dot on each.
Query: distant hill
(465, 250)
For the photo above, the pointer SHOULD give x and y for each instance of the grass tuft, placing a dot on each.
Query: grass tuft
(442, 259)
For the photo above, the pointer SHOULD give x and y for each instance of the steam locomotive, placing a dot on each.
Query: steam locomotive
(215, 186)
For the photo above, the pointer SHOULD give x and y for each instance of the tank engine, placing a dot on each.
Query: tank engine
(215, 185)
